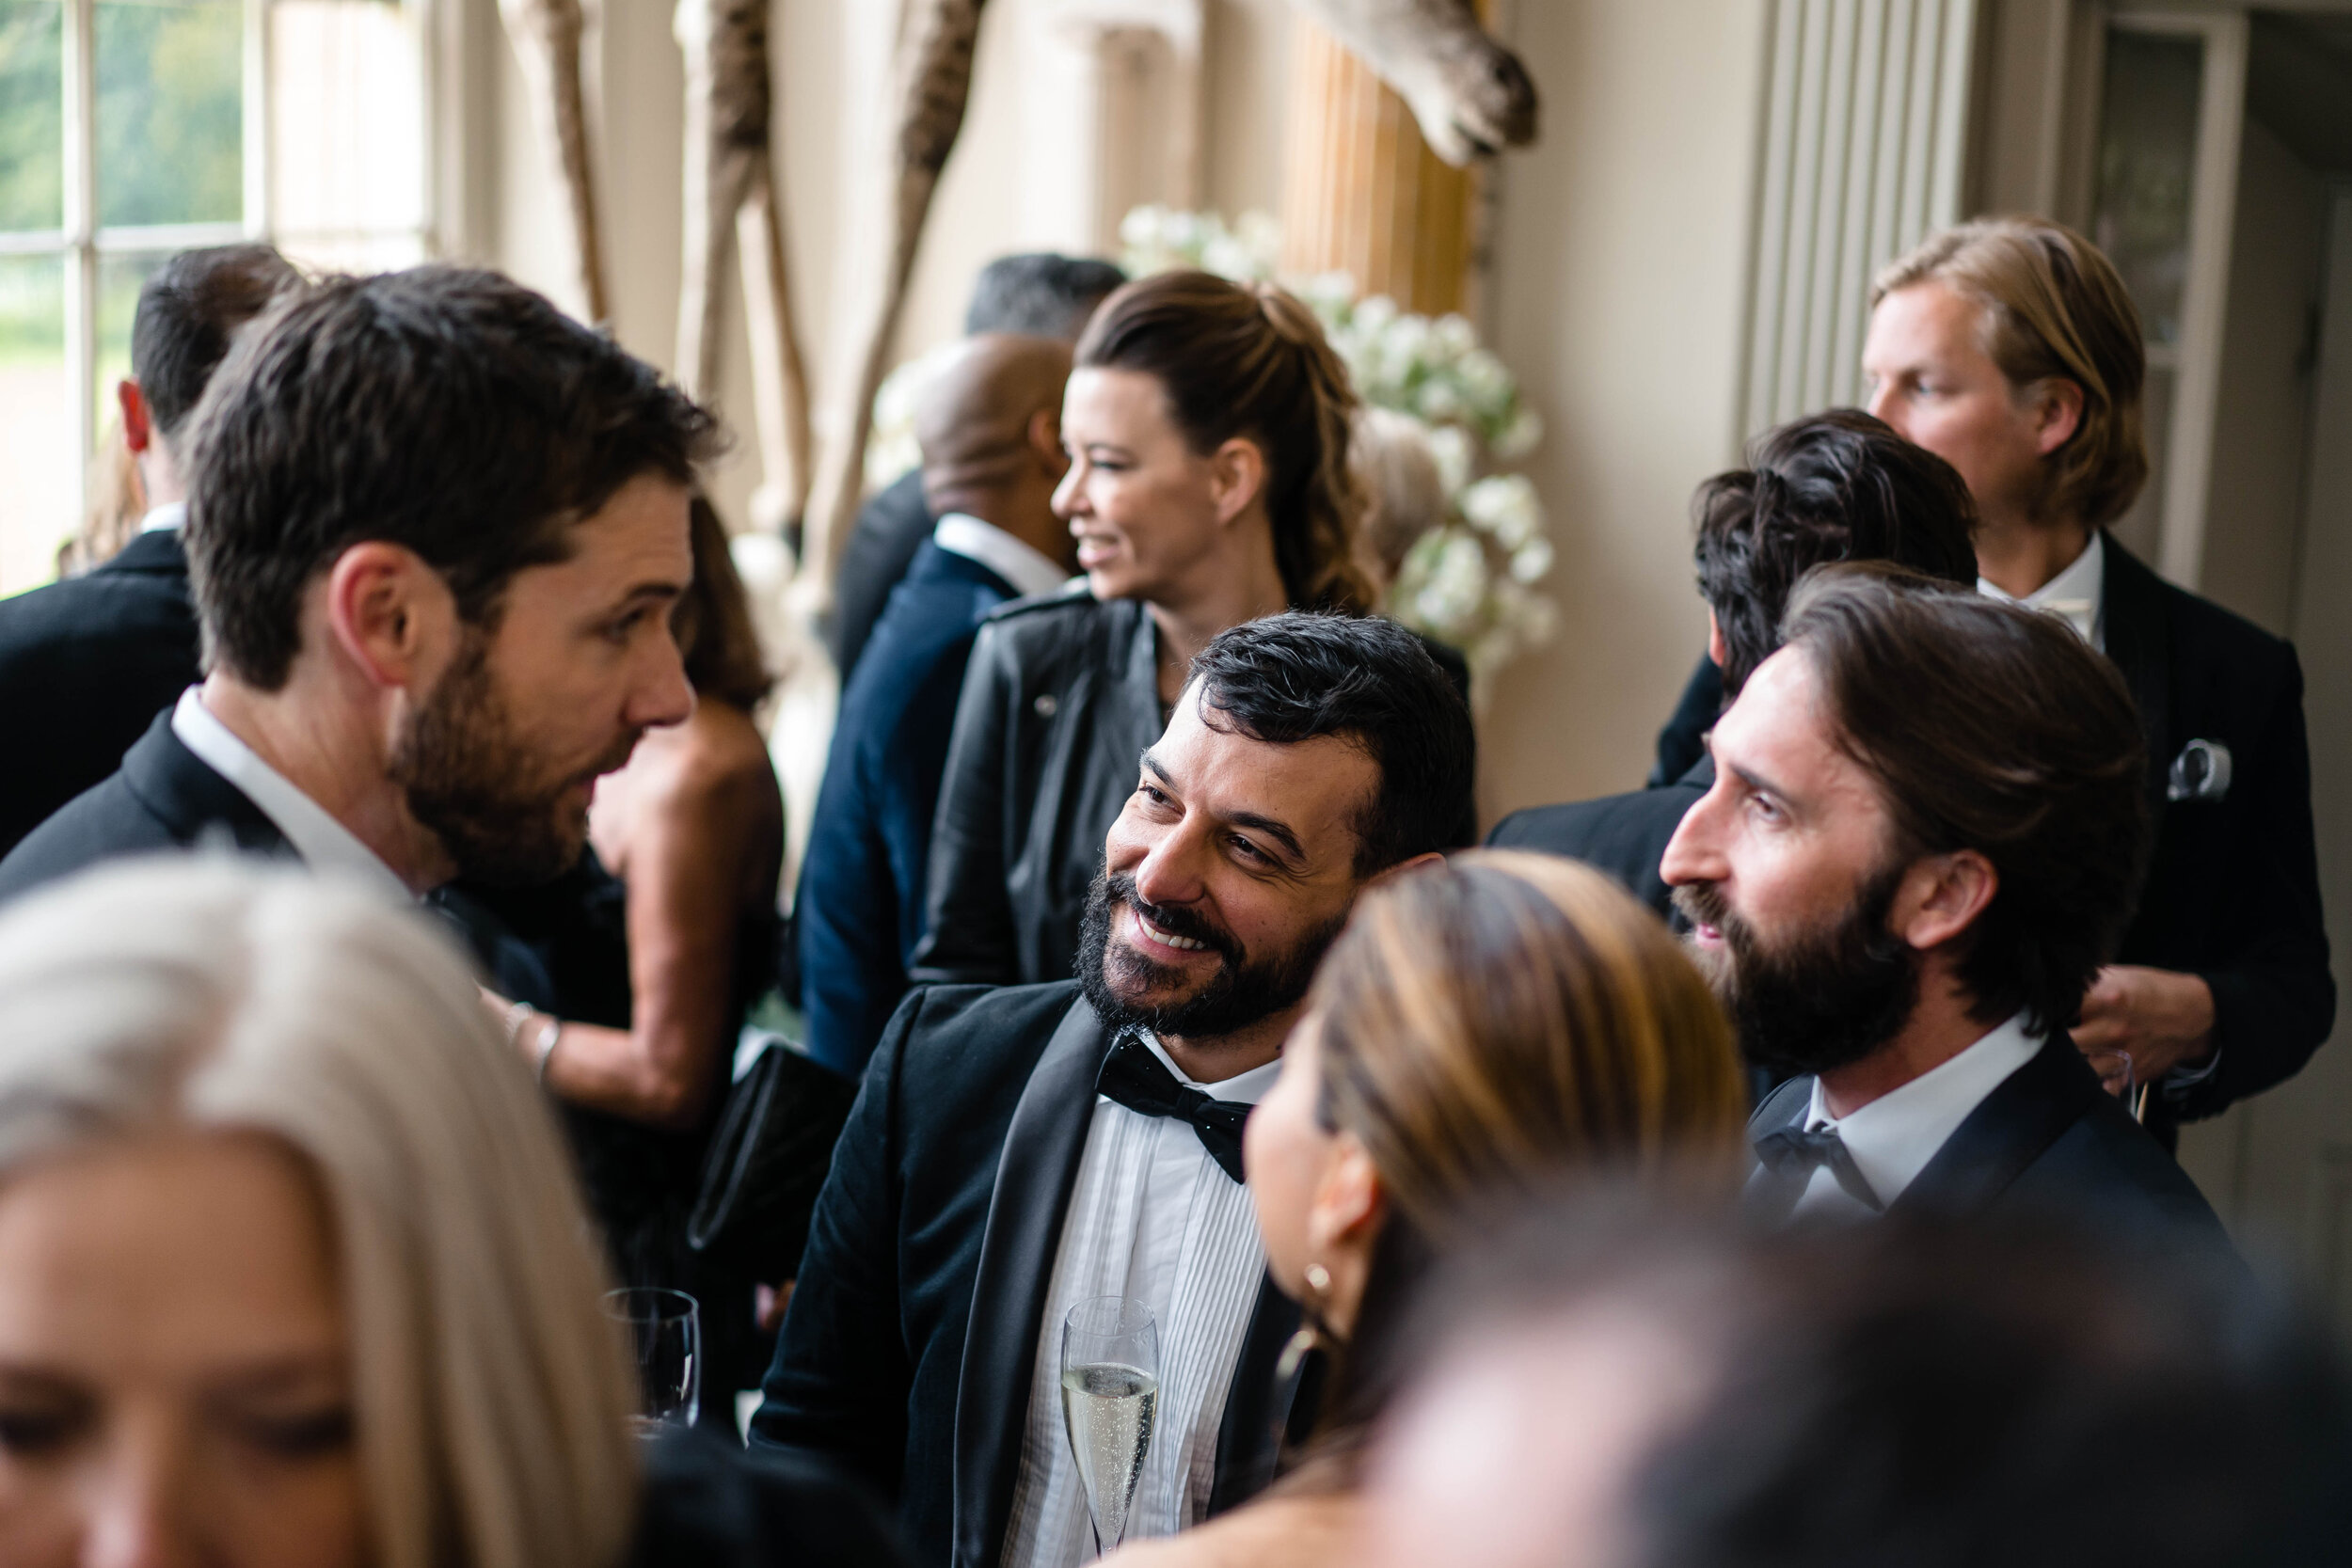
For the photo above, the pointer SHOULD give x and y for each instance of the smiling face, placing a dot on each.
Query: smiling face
(502, 756)
(175, 1374)
(1930, 377)
(1143, 506)
(1229, 872)
(1786, 870)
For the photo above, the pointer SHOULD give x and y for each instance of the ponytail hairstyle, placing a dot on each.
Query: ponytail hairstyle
(1249, 359)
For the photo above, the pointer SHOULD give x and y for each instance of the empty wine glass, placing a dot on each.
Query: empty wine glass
(665, 1329)
(1110, 1389)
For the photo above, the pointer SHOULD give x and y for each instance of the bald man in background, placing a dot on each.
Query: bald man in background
(990, 427)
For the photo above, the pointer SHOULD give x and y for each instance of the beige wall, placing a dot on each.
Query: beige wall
(1619, 254)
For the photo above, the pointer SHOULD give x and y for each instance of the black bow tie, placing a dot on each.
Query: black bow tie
(1792, 1155)
(1136, 1079)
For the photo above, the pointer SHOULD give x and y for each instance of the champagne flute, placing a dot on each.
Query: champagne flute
(1110, 1389)
(665, 1331)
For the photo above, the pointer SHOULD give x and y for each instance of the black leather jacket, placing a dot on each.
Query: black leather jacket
(1060, 702)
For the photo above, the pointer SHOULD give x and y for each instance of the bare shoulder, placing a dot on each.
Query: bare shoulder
(1275, 1532)
(716, 757)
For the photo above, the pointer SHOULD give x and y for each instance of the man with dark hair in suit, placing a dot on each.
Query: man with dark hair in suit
(990, 427)
(1016, 1150)
(1923, 838)
(1039, 295)
(436, 530)
(85, 664)
(1836, 486)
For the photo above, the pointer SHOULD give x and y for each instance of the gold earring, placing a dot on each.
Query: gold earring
(1310, 1336)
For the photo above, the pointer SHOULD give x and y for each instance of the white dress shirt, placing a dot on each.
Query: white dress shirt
(2078, 595)
(1893, 1137)
(1151, 1217)
(326, 846)
(1017, 561)
(169, 515)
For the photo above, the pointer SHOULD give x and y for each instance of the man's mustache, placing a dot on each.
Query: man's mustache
(1175, 920)
(1704, 904)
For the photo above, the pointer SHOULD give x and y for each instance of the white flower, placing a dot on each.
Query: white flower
(1520, 435)
(1531, 560)
(1506, 506)
(1451, 446)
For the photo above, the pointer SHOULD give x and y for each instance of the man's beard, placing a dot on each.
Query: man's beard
(1243, 991)
(485, 795)
(1825, 998)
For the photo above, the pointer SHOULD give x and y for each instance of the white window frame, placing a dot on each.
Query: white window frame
(82, 244)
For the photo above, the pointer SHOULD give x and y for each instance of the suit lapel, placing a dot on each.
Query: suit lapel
(1258, 1407)
(2013, 1128)
(1043, 1145)
(192, 801)
(2133, 601)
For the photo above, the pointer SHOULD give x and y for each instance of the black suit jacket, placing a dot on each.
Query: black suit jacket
(163, 797)
(708, 1504)
(1625, 835)
(890, 528)
(907, 1355)
(2049, 1141)
(2232, 890)
(85, 664)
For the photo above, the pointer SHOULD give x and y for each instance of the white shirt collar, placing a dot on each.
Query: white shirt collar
(1893, 1137)
(1247, 1087)
(1017, 561)
(325, 844)
(169, 515)
(2078, 595)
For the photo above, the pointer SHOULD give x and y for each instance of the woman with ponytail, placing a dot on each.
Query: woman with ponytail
(1207, 427)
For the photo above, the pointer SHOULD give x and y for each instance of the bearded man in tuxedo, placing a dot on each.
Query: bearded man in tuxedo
(1015, 1150)
(1924, 837)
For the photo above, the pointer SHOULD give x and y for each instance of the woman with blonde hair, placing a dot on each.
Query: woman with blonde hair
(292, 1272)
(1486, 1029)
(1208, 426)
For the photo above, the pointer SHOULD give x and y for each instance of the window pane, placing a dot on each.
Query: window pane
(120, 280)
(2148, 168)
(170, 111)
(38, 440)
(346, 121)
(32, 114)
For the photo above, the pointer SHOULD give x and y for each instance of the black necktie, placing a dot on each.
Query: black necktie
(1136, 1079)
(1792, 1155)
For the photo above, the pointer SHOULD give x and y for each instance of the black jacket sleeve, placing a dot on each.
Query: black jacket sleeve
(837, 1388)
(969, 930)
(1683, 741)
(2273, 998)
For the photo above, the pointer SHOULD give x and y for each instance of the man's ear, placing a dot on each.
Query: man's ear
(138, 420)
(1349, 1203)
(1427, 858)
(389, 613)
(1044, 439)
(1717, 649)
(2058, 412)
(1238, 475)
(1942, 896)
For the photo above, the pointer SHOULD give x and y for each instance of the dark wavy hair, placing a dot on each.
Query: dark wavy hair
(1995, 728)
(1293, 676)
(1837, 487)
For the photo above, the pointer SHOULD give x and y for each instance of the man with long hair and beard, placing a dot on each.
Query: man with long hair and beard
(435, 532)
(1924, 837)
(1017, 1151)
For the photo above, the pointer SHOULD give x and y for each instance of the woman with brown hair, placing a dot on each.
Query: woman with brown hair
(1207, 424)
(1485, 1029)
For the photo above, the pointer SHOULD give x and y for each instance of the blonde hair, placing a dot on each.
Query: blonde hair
(2054, 309)
(1498, 1021)
(1250, 359)
(491, 1395)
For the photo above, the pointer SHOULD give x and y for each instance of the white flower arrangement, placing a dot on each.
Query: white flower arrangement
(1470, 580)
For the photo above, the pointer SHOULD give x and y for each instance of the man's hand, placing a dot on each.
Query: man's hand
(2159, 1019)
(768, 1304)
